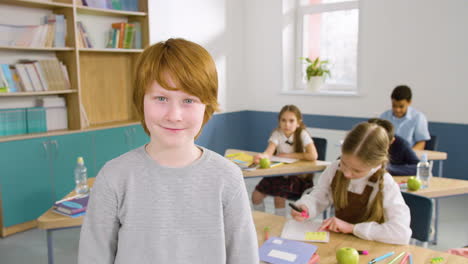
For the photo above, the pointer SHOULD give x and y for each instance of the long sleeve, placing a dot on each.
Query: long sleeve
(98, 239)
(402, 170)
(240, 234)
(320, 198)
(396, 228)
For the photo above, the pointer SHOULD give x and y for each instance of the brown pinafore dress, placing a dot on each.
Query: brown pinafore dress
(356, 209)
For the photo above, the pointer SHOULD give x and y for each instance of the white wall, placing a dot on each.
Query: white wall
(420, 43)
(218, 26)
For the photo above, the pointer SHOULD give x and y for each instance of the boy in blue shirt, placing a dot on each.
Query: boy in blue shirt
(409, 123)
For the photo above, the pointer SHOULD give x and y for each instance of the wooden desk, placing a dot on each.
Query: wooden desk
(51, 221)
(298, 167)
(439, 188)
(436, 156)
(326, 251)
(432, 155)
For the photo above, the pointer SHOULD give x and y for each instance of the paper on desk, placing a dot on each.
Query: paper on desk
(284, 160)
(304, 231)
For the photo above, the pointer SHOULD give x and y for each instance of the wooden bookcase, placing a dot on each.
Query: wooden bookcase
(101, 86)
(101, 79)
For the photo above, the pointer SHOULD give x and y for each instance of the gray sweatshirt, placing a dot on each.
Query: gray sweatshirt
(141, 212)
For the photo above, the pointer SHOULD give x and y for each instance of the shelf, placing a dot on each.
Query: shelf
(37, 3)
(108, 50)
(37, 93)
(108, 12)
(69, 131)
(35, 48)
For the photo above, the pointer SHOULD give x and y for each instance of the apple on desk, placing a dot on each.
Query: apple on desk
(264, 163)
(414, 183)
(347, 255)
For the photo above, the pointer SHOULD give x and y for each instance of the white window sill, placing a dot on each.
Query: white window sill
(321, 93)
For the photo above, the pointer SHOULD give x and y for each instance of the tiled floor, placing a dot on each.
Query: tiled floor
(31, 246)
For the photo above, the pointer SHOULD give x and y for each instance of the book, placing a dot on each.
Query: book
(121, 33)
(283, 251)
(284, 160)
(73, 215)
(9, 78)
(128, 36)
(241, 159)
(72, 206)
(304, 231)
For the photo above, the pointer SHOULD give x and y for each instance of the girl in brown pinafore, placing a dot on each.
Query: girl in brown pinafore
(368, 202)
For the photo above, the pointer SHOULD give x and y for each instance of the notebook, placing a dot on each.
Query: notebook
(283, 251)
(304, 231)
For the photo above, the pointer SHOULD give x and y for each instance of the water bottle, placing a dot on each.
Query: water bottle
(424, 171)
(81, 178)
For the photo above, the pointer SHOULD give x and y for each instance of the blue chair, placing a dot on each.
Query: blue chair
(421, 216)
(432, 144)
(321, 146)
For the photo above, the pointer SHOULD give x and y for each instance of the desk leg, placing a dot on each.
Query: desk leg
(436, 221)
(50, 247)
(441, 168)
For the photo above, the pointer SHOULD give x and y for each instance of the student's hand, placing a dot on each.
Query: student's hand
(297, 215)
(336, 225)
(258, 157)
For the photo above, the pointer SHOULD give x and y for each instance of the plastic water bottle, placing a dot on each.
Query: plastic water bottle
(81, 177)
(424, 171)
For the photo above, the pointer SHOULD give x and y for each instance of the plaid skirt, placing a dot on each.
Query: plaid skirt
(289, 187)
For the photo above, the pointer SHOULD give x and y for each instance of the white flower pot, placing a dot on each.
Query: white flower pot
(315, 83)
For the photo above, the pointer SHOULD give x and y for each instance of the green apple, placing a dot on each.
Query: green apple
(414, 183)
(264, 163)
(347, 255)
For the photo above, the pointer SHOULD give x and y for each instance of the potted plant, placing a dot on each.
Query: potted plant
(316, 72)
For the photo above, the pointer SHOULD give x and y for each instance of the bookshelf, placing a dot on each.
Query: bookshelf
(100, 78)
(100, 85)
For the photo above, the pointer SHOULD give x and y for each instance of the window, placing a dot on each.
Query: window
(328, 29)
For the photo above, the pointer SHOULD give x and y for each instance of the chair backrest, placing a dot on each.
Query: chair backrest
(432, 144)
(421, 215)
(321, 146)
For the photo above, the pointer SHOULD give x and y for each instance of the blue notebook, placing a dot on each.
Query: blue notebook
(283, 251)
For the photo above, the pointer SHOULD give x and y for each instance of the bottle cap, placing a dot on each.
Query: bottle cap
(424, 157)
(80, 160)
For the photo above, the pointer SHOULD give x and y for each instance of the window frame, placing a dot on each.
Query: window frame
(301, 11)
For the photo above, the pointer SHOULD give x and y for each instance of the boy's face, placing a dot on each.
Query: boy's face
(173, 118)
(400, 107)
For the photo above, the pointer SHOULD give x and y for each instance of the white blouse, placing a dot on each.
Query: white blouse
(279, 139)
(396, 228)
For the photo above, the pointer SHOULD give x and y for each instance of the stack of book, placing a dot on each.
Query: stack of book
(73, 206)
(130, 5)
(51, 33)
(124, 35)
(34, 76)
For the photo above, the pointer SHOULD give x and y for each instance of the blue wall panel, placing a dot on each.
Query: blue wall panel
(250, 130)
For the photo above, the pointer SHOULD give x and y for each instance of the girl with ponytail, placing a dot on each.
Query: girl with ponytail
(368, 202)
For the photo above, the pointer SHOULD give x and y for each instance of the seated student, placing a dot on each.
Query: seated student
(409, 123)
(289, 140)
(403, 160)
(368, 202)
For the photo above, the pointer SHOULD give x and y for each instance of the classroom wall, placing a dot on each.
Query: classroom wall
(420, 43)
(218, 26)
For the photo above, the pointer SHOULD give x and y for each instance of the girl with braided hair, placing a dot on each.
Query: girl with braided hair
(368, 202)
